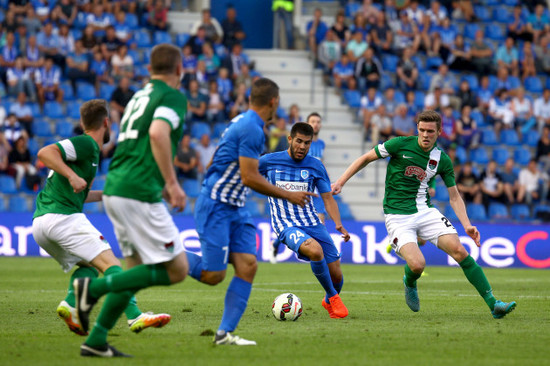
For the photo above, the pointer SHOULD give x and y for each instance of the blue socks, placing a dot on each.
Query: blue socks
(195, 265)
(338, 287)
(320, 270)
(236, 300)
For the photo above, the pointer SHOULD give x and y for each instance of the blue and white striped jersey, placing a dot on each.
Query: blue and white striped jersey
(306, 175)
(317, 149)
(244, 137)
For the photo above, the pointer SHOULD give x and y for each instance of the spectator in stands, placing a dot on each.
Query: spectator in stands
(21, 39)
(543, 149)
(484, 94)
(390, 102)
(448, 128)
(122, 64)
(189, 61)
(120, 98)
(407, 34)
(415, 13)
(381, 35)
(31, 22)
(437, 14)
(201, 76)
(47, 83)
(367, 71)
(464, 9)
(89, 39)
(510, 181)
(277, 137)
(5, 148)
(196, 102)
(23, 112)
(187, 159)
(42, 9)
(3, 115)
(206, 151)
(244, 76)
(466, 129)
(233, 32)
(21, 161)
(444, 80)
(403, 124)
(523, 112)
(283, 10)
(356, 46)
(391, 13)
(235, 60)
(20, 80)
(98, 20)
(13, 130)
(33, 59)
(10, 23)
(533, 184)
(407, 71)
(444, 41)
(380, 125)
(541, 109)
(481, 55)
(340, 29)
(66, 40)
(78, 66)
(527, 61)
(359, 24)
(459, 55)
(293, 115)
(225, 86)
(436, 100)
(538, 23)
(542, 53)
(465, 95)
(517, 25)
(500, 111)
(8, 55)
(467, 183)
(123, 31)
(100, 68)
(369, 105)
(413, 108)
(491, 185)
(125, 6)
(316, 30)
(369, 11)
(196, 41)
(330, 51)
(64, 12)
(211, 61)
(211, 26)
(109, 43)
(507, 57)
(215, 108)
(343, 74)
(239, 103)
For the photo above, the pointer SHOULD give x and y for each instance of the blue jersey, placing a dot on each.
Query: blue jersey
(244, 137)
(286, 173)
(317, 149)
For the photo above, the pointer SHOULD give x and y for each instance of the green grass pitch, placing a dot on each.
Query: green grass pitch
(453, 327)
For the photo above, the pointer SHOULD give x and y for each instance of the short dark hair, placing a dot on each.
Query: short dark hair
(93, 112)
(263, 90)
(313, 114)
(301, 128)
(429, 116)
(164, 59)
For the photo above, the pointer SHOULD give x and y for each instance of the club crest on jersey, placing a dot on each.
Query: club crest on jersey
(432, 164)
(304, 174)
(169, 247)
(416, 171)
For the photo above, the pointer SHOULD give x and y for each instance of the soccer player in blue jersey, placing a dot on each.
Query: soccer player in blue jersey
(300, 228)
(226, 230)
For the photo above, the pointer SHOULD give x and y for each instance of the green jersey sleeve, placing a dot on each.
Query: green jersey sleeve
(172, 109)
(446, 171)
(389, 148)
(76, 148)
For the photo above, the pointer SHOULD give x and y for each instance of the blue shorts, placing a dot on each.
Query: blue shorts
(319, 205)
(293, 237)
(223, 229)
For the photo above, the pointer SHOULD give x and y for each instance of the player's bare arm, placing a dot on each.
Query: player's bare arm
(252, 178)
(356, 166)
(460, 209)
(94, 196)
(161, 146)
(332, 209)
(51, 157)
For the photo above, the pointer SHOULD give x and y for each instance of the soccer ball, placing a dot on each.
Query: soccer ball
(287, 307)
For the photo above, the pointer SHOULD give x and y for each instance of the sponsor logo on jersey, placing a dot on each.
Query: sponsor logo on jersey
(304, 174)
(169, 247)
(417, 171)
(432, 164)
(292, 186)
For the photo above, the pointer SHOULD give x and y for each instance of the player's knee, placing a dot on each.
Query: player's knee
(312, 249)
(212, 278)
(417, 265)
(247, 269)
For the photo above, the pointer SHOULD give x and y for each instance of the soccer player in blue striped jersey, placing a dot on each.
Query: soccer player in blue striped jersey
(300, 228)
(225, 227)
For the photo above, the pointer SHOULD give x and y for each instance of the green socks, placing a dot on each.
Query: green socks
(80, 272)
(474, 274)
(411, 277)
(132, 311)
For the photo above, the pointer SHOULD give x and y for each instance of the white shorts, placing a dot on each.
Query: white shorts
(144, 228)
(69, 239)
(427, 224)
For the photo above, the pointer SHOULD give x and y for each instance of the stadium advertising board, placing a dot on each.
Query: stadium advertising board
(503, 245)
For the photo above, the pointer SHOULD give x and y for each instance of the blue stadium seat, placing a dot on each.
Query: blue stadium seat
(106, 90)
(472, 81)
(191, 187)
(253, 208)
(345, 211)
(386, 81)
(132, 21)
(162, 37)
(218, 130)
(419, 99)
(351, 9)
(510, 138)
(104, 165)
(515, 82)
(42, 129)
(420, 63)
(141, 71)
(181, 39)
(479, 156)
(92, 207)
(389, 62)
(522, 156)
(450, 213)
(489, 137)
(80, 20)
(533, 84)
(281, 112)
(478, 117)
(64, 129)
(85, 91)
(33, 146)
(68, 92)
(73, 110)
(7, 184)
(531, 138)
(500, 155)
(98, 184)
(399, 97)
(35, 109)
(495, 32)
(520, 212)
(198, 129)
(461, 154)
(53, 110)
(424, 81)
(510, 2)
(353, 98)
(501, 14)
(441, 193)
(433, 62)
(540, 208)
(18, 204)
(142, 38)
(476, 211)
(470, 30)
(482, 13)
(498, 211)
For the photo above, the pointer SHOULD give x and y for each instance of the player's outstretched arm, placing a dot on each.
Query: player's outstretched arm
(161, 146)
(94, 196)
(460, 209)
(51, 157)
(356, 166)
(252, 178)
(332, 209)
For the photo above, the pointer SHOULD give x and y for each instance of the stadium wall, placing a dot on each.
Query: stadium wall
(503, 245)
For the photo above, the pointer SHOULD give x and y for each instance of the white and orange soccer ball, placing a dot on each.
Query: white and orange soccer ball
(287, 307)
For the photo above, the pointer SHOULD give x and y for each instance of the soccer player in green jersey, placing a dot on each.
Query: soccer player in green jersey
(140, 175)
(60, 227)
(414, 162)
